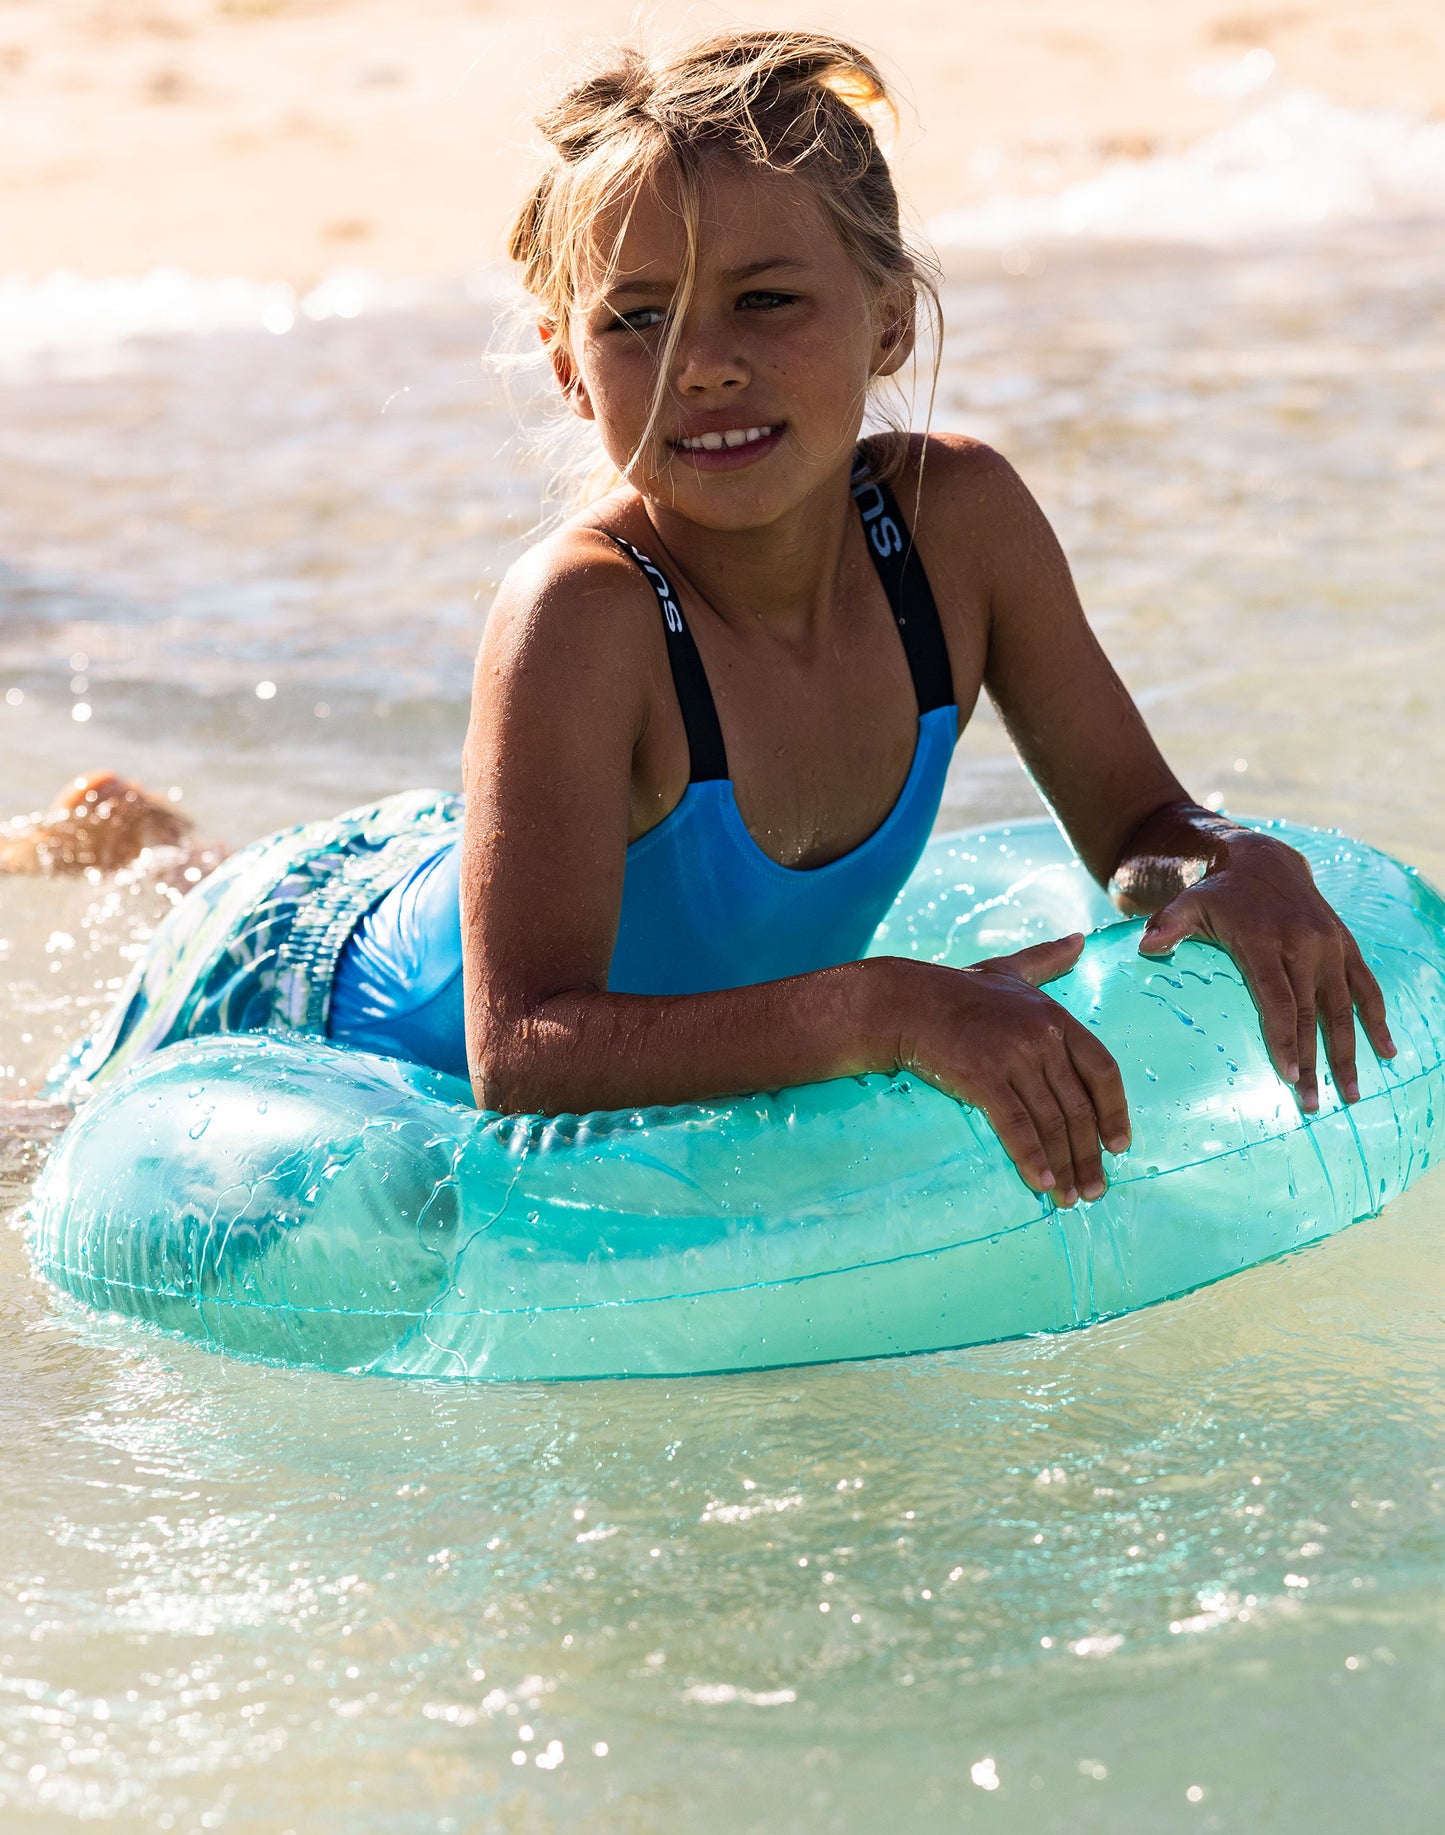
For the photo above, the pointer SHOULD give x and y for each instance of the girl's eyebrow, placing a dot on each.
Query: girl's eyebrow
(747, 272)
(763, 267)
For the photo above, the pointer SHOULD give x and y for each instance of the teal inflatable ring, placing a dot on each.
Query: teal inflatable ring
(283, 1198)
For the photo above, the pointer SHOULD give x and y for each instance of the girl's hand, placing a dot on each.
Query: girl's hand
(990, 1037)
(1262, 907)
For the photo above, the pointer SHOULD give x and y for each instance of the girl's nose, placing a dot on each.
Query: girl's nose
(708, 359)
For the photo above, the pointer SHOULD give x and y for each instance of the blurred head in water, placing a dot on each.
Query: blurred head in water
(100, 821)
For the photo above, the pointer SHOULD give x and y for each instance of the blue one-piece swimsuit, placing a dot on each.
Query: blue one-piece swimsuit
(703, 906)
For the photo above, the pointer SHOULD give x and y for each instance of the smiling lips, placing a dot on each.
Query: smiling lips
(735, 436)
(728, 448)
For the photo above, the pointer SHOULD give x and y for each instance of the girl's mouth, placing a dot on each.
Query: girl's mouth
(728, 449)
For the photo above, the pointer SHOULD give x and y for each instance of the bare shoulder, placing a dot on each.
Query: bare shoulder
(974, 509)
(952, 474)
(969, 512)
(574, 623)
(576, 591)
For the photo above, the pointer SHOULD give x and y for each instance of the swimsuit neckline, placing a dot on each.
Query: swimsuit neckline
(915, 613)
(725, 796)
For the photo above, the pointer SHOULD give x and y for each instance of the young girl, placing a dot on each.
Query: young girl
(713, 713)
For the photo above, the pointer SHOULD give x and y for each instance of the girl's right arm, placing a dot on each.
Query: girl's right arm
(570, 666)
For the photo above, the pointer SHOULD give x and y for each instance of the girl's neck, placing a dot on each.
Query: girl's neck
(781, 577)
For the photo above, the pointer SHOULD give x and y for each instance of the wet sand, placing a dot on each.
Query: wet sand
(285, 138)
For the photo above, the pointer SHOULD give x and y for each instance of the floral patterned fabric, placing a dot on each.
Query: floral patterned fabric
(254, 947)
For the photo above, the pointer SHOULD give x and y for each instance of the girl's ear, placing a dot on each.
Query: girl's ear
(569, 377)
(897, 329)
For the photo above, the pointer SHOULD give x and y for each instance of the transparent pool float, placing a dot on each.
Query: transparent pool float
(288, 1199)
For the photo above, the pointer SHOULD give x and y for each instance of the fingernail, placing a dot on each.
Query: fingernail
(1094, 1189)
(1069, 1199)
(1118, 1143)
(1390, 1048)
(1309, 1102)
(1350, 1091)
(1291, 1071)
(1046, 1180)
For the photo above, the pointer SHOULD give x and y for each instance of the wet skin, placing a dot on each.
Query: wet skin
(576, 745)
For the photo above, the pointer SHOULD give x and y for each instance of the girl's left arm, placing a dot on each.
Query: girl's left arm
(1193, 873)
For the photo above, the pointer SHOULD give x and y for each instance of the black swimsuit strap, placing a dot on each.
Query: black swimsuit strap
(910, 598)
(706, 752)
(891, 544)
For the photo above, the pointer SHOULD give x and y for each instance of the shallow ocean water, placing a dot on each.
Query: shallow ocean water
(1181, 1570)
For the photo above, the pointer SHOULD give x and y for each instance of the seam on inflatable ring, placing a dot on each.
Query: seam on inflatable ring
(703, 1293)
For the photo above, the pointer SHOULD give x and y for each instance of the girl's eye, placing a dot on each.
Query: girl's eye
(641, 318)
(648, 318)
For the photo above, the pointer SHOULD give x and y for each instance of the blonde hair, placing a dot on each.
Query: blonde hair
(796, 102)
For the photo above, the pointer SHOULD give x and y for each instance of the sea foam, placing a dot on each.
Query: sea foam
(1290, 162)
(65, 312)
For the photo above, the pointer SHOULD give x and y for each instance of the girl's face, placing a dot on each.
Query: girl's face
(764, 392)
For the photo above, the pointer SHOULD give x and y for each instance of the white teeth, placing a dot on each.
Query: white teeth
(735, 436)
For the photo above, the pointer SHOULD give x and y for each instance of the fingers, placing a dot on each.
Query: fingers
(1369, 1001)
(1051, 1130)
(1100, 1077)
(1340, 993)
(1274, 996)
(1042, 962)
(1259, 902)
(1300, 1001)
(1074, 1104)
(1081, 1132)
(1337, 1019)
(1306, 1019)
(1013, 1123)
(1170, 925)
